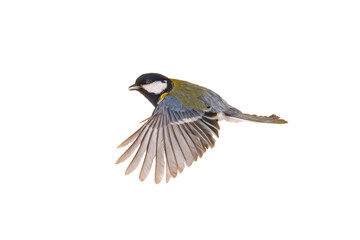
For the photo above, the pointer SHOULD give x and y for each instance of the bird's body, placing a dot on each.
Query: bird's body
(181, 127)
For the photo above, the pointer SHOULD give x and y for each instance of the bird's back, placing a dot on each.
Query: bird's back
(198, 97)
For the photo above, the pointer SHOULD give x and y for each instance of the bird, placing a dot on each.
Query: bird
(181, 128)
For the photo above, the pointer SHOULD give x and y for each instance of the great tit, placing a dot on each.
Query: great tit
(181, 127)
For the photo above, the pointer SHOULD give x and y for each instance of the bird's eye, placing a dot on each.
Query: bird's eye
(147, 81)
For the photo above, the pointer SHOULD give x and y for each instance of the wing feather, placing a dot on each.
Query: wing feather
(135, 144)
(150, 152)
(195, 131)
(206, 132)
(183, 144)
(187, 131)
(170, 158)
(160, 163)
(211, 124)
(140, 152)
(193, 141)
(168, 174)
(179, 156)
(132, 137)
(198, 132)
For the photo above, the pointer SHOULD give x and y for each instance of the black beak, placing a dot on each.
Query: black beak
(134, 87)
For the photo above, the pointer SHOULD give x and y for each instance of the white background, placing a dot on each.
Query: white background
(65, 67)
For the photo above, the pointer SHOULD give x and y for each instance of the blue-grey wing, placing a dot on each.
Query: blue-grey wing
(174, 135)
(217, 103)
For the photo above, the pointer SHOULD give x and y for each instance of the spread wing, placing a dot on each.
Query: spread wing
(174, 136)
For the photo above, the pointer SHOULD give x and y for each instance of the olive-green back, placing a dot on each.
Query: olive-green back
(182, 90)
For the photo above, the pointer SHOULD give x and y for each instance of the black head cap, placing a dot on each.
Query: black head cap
(152, 86)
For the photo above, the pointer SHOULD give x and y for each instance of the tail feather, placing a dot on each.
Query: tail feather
(264, 119)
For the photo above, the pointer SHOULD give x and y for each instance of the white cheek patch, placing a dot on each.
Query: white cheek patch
(155, 87)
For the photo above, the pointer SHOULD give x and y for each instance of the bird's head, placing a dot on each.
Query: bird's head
(152, 86)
